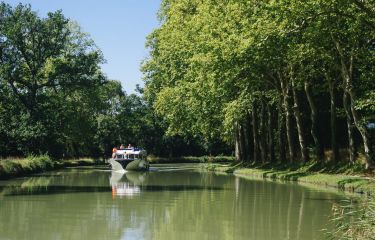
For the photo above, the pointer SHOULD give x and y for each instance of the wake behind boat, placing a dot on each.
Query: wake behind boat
(131, 159)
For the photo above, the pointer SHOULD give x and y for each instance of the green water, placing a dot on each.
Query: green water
(169, 202)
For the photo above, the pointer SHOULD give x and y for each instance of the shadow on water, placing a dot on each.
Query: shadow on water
(49, 190)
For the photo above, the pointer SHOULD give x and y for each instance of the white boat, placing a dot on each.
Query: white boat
(132, 159)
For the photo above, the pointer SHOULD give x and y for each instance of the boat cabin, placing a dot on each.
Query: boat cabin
(130, 154)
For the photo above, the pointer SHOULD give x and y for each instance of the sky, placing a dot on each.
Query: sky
(118, 27)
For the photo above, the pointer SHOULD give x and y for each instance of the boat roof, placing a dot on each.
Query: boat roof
(130, 151)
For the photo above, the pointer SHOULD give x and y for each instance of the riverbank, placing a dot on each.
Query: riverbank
(192, 159)
(18, 167)
(11, 168)
(345, 177)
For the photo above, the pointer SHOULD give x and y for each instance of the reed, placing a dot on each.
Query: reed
(353, 220)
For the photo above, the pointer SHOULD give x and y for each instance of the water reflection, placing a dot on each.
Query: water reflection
(78, 204)
(129, 184)
(126, 184)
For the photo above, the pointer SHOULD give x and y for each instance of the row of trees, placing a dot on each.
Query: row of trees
(282, 80)
(55, 99)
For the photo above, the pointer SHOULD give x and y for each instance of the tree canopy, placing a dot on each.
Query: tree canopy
(267, 76)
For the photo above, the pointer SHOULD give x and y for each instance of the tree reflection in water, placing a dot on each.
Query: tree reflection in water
(159, 205)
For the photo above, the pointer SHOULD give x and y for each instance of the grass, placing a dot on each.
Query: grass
(17, 167)
(347, 177)
(192, 159)
(80, 162)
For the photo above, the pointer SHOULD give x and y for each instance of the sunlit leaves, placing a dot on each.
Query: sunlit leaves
(209, 58)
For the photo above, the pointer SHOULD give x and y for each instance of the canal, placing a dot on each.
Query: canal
(169, 202)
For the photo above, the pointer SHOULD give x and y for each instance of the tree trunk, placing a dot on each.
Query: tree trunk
(237, 143)
(349, 124)
(255, 134)
(314, 122)
(334, 147)
(271, 148)
(245, 142)
(347, 73)
(248, 137)
(301, 134)
(364, 133)
(263, 135)
(241, 141)
(288, 124)
(281, 132)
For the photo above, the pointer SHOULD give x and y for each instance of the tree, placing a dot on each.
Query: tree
(243, 61)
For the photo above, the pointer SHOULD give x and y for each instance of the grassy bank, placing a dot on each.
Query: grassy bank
(345, 177)
(10, 168)
(80, 162)
(192, 159)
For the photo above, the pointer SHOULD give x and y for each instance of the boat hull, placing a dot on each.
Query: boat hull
(129, 165)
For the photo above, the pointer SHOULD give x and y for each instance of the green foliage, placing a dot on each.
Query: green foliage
(212, 62)
(49, 76)
(367, 103)
(56, 100)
